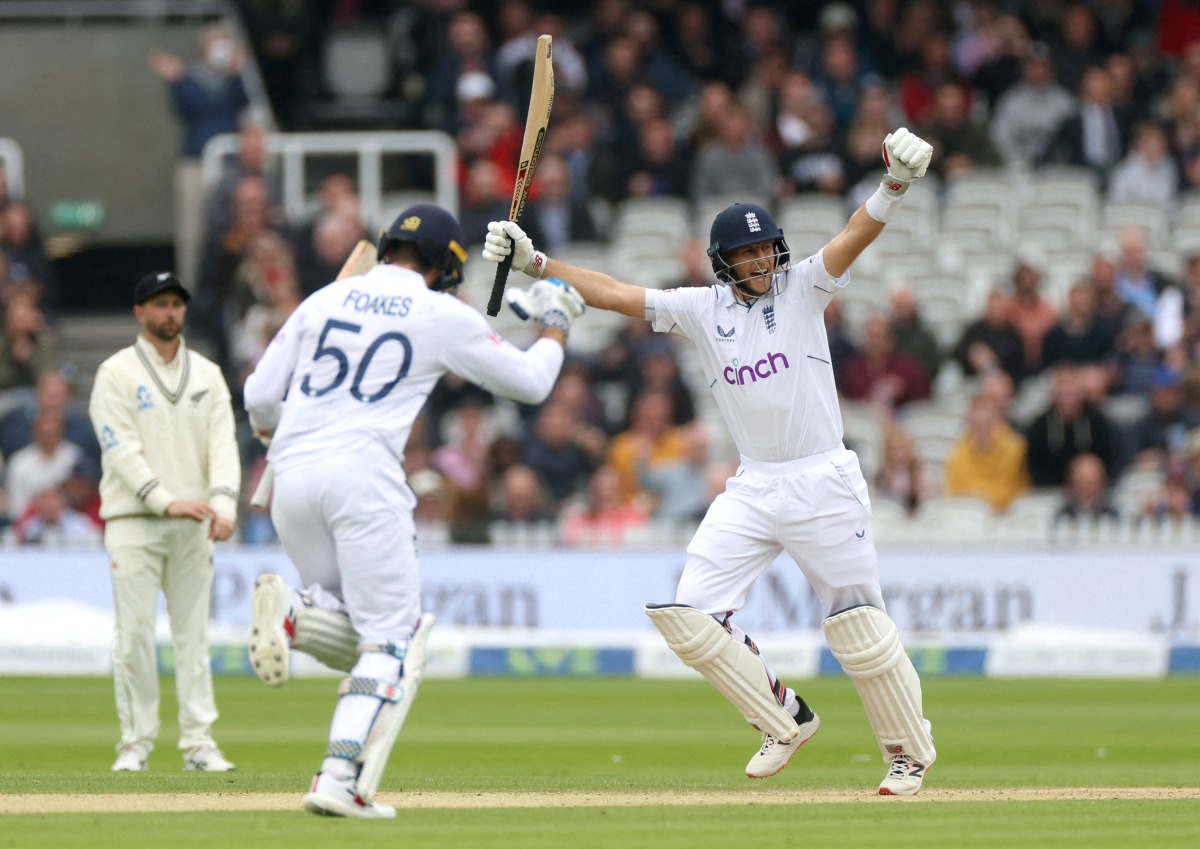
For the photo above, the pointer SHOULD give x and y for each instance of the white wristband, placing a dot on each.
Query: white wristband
(537, 265)
(883, 204)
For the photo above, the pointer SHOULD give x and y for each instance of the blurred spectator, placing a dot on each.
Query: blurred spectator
(319, 242)
(1147, 174)
(1075, 48)
(1029, 313)
(53, 391)
(1178, 26)
(734, 163)
(25, 256)
(1077, 336)
(284, 39)
(1137, 357)
(910, 331)
(1086, 498)
(650, 442)
(991, 342)
(462, 462)
(46, 463)
(918, 88)
(602, 518)
(998, 54)
(959, 142)
(1160, 436)
(251, 160)
(1028, 115)
(1093, 135)
(49, 520)
(660, 167)
(1170, 503)
(988, 461)
(1070, 426)
(1137, 284)
(208, 98)
(901, 477)
(881, 374)
(557, 217)
(678, 490)
(655, 369)
(430, 514)
(840, 80)
(841, 346)
(27, 346)
(1112, 312)
(695, 42)
(997, 386)
(697, 267)
(467, 48)
(561, 449)
(484, 199)
(816, 164)
(269, 278)
(521, 498)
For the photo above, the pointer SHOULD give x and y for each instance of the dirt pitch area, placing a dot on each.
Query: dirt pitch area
(188, 802)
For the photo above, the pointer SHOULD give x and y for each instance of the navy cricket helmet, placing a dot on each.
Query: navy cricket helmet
(437, 236)
(740, 225)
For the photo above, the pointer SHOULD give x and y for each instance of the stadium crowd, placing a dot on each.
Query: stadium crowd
(1074, 389)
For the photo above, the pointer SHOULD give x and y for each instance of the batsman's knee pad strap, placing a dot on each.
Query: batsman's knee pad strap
(326, 635)
(733, 667)
(348, 750)
(865, 642)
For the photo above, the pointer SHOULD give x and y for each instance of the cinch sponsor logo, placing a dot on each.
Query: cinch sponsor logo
(736, 375)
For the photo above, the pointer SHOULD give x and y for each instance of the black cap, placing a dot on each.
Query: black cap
(156, 282)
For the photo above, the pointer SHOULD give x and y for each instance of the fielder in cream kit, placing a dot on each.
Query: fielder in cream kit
(356, 362)
(761, 339)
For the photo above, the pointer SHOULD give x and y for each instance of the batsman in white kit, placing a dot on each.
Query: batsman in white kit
(356, 362)
(761, 339)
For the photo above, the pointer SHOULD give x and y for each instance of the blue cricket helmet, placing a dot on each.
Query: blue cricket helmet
(740, 225)
(437, 236)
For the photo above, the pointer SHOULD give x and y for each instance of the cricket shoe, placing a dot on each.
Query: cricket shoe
(207, 759)
(272, 626)
(130, 760)
(339, 798)
(903, 778)
(774, 754)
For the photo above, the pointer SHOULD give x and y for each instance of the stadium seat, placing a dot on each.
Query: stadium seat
(1152, 218)
(660, 215)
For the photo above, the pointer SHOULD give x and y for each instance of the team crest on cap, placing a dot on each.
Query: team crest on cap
(411, 223)
(752, 222)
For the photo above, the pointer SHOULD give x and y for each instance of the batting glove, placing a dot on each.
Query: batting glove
(550, 302)
(505, 237)
(907, 158)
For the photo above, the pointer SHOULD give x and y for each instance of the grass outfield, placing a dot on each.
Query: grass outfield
(629, 763)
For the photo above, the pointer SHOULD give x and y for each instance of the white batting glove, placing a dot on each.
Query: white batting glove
(907, 158)
(550, 302)
(505, 237)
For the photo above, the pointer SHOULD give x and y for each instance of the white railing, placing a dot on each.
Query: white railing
(292, 150)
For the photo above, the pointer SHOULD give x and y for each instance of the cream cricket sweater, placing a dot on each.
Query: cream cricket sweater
(166, 433)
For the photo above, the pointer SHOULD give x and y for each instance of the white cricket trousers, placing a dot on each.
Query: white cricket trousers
(816, 509)
(346, 522)
(174, 557)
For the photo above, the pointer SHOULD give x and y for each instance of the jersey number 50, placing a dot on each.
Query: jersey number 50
(343, 363)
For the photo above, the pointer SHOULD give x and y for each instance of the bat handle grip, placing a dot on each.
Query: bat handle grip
(505, 266)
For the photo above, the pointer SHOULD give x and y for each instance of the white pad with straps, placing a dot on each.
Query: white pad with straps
(865, 641)
(397, 699)
(733, 667)
(327, 635)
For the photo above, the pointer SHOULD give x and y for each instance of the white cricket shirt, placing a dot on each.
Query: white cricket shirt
(358, 358)
(766, 362)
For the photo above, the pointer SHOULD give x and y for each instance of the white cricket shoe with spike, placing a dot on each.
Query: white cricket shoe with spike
(207, 759)
(903, 778)
(130, 760)
(270, 642)
(773, 755)
(338, 798)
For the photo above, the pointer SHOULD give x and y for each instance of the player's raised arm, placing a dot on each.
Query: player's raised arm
(599, 291)
(907, 158)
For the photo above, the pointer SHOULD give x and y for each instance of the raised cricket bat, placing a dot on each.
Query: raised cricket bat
(541, 100)
(361, 260)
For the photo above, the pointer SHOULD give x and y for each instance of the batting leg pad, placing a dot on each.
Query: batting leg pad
(327, 635)
(733, 667)
(396, 701)
(865, 642)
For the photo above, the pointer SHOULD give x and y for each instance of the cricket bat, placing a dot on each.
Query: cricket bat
(541, 100)
(361, 260)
